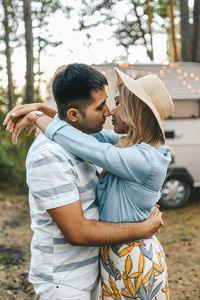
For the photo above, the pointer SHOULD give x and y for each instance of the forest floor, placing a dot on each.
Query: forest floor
(180, 238)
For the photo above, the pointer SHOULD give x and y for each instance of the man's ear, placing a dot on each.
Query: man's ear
(73, 114)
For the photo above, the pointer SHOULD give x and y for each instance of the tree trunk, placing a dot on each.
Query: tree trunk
(186, 40)
(149, 51)
(149, 12)
(171, 15)
(29, 97)
(196, 31)
(8, 56)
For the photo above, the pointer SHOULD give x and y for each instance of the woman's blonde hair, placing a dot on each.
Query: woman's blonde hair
(142, 126)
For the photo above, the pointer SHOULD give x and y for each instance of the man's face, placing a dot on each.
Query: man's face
(95, 113)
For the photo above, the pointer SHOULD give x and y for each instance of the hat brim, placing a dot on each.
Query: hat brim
(137, 89)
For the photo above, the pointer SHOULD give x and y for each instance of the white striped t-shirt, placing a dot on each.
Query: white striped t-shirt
(56, 178)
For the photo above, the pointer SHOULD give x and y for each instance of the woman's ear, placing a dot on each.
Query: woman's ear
(73, 114)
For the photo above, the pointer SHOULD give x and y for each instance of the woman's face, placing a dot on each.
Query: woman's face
(119, 125)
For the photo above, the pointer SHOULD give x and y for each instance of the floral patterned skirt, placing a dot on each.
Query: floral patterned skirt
(135, 270)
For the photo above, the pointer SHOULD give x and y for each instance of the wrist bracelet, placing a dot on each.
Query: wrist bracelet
(38, 114)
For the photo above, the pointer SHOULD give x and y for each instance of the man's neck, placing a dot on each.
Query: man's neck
(75, 125)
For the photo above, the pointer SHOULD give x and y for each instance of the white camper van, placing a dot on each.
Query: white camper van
(182, 131)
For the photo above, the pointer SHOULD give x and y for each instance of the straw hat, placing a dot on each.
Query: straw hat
(152, 92)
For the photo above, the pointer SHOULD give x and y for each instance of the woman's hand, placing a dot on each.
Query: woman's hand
(21, 110)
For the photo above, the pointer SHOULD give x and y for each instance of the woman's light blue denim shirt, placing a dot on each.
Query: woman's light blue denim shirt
(132, 186)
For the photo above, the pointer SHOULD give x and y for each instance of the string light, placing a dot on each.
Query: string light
(182, 75)
(123, 65)
(179, 71)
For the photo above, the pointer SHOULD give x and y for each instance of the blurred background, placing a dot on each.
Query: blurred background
(139, 37)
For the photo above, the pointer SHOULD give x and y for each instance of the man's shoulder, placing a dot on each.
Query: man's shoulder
(43, 151)
(43, 144)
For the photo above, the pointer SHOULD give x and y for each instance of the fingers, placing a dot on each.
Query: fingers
(156, 211)
(29, 129)
(161, 220)
(9, 124)
(26, 122)
(158, 215)
(13, 111)
(20, 111)
(20, 125)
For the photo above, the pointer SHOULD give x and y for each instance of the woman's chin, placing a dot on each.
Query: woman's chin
(117, 130)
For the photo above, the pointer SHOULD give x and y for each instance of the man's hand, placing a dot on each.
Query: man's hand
(154, 222)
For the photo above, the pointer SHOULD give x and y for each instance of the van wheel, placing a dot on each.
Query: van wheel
(175, 193)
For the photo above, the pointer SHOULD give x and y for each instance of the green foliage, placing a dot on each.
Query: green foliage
(162, 8)
(132, 28)
(41, 12)
(12, 160)
(127, 33)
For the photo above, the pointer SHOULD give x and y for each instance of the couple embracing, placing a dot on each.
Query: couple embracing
(93, 192)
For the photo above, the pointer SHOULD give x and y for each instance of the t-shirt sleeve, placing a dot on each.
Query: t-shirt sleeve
(51, 179)
(133, 163)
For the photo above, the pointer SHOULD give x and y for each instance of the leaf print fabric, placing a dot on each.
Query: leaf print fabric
(135, 270)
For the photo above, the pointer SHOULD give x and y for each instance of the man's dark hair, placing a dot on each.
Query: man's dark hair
(73, 85)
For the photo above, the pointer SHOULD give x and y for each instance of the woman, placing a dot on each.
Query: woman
(130, 185)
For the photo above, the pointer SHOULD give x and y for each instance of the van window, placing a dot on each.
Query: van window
(185, 109)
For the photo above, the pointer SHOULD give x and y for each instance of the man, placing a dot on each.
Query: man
(63, 205)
